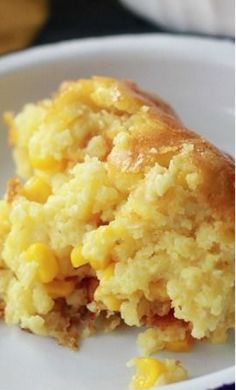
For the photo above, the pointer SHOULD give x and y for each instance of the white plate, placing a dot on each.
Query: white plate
(202, 16)
(196, 77)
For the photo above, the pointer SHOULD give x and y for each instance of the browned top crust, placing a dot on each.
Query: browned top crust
(159, 135)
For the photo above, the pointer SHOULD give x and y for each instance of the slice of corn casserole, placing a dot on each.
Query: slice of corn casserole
(125, 216)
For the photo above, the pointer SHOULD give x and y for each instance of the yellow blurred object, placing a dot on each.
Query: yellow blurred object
(60, 288)
(45, 259)
(20, 22)
(76, 257)
(148, 372)
(36, 189)
(180, 345)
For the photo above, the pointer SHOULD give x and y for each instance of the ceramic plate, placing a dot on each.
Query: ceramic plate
(196, 76)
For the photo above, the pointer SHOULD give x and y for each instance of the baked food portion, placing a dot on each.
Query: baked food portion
(126, 216)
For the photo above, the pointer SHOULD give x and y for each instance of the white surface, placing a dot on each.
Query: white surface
(194, 75)
(203, 16)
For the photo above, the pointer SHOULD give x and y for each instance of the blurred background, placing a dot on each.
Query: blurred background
(25, 23)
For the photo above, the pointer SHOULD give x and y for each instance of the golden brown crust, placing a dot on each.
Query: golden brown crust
(157, 100)
(160, 136)
(217, 186)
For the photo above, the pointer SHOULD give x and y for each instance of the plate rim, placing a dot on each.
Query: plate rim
(218, 378)
(53, 51)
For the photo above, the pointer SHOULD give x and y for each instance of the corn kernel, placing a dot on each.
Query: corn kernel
(108, 272)
(98, 247)
(76, 257)
(112, 303)
(99, 264)
(45, 259)
(36, 189)
(60, 288)
(148, 372)
(47, 163)
(180, 345)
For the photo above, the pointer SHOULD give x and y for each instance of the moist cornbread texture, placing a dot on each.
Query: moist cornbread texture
(125, 216)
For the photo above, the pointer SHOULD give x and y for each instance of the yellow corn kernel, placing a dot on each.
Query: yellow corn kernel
(108, 272)
(45, 259)
(180, 345)
(99, 264)
(98, 247)
(47, 163)
(112, 303)
(60, 288)
(148, 372)
(36, 189)
(76, 257)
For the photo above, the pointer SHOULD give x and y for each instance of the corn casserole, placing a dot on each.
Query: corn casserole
(118, 215)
